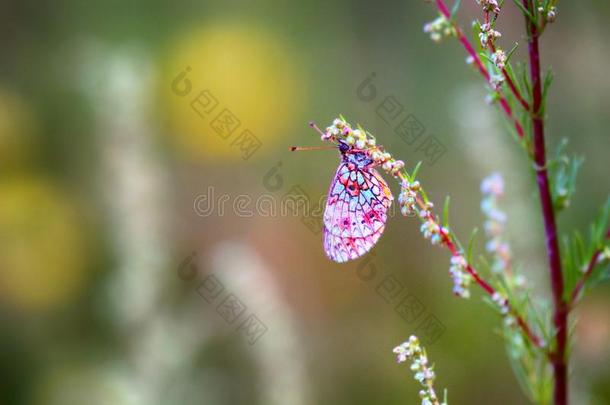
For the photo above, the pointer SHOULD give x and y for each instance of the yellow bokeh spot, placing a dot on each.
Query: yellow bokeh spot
(41, 246)
(243, 69)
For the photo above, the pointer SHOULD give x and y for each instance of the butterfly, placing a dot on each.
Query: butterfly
(356, 207)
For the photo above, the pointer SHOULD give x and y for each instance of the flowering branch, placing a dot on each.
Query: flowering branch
(488, 37)
(537, 15)
(474, 57)
(424, 373)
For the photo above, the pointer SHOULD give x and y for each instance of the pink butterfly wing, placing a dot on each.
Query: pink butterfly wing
(356, 212)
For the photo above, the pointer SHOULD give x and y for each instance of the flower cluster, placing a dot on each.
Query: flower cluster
(439, 28)
(407, 199)
(495, 81)
(499, 58)
(430, 227)
(551, 14)
(502, 302)
(488, 35)
(341, 130)
(489, 5)
(411, 350)
(492, 188)
(461, 278)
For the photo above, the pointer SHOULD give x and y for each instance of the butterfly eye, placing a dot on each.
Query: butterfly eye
(343, 147)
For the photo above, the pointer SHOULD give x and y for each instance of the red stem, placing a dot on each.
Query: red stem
(442, 8)
(560, 316)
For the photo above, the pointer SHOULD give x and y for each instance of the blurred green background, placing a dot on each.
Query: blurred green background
(105, 193)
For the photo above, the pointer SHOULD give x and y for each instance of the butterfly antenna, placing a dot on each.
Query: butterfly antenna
(303, 148)
(314, 126)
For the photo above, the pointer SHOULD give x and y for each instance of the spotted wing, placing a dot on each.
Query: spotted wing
(356, 212)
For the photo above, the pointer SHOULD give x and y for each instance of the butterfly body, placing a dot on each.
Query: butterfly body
(356, 208)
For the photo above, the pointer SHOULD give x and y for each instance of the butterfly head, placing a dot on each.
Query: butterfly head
(343, 147)
(359, 158)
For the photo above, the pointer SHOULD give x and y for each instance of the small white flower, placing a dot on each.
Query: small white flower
(488, 35)
(439, 28)
(496, 81)
(460, 277)
(501, 301)
(489, 5)
(551, 15)
(499, 59)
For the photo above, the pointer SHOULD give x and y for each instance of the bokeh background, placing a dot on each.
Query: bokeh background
(110, 180)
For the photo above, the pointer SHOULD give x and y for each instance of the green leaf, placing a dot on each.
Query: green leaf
(424, 195)
(484, 56)
(563, 172)
(476, 29)
(455, 8)
(601, 227)
(525, 82)
(513, 49)
(548, 80)
(415, 171)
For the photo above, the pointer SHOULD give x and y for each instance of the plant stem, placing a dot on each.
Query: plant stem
(560, 315)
